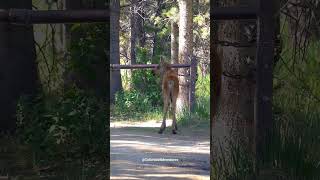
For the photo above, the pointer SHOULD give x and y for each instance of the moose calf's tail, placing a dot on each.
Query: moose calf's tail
(171, 86)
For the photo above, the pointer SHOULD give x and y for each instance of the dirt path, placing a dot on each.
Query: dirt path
(139, 152)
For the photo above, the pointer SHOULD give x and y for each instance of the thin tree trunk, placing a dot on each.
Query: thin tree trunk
(174, 43)
(115, 78)
(62, 31)
(141, 35)
(185, 50)
(133, 32)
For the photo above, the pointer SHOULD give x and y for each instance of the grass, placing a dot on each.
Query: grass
(200, 117)
(118, 115)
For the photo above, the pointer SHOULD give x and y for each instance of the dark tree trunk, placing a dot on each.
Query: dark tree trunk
(115, 78)
(232, 111)
(18, 67)
(233, 97)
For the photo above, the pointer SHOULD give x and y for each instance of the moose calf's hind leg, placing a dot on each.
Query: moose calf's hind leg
(163, 125)
(174, 125)
(174, 120)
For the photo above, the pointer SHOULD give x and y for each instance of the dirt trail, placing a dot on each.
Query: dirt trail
(139, 152)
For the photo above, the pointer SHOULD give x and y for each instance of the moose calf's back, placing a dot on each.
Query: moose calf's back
(170, 85)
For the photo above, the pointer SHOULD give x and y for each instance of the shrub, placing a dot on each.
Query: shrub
(71, 125)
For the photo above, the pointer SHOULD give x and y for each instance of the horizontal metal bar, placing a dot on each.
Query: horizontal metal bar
(229, 13)
(26, 16)
(144, 66)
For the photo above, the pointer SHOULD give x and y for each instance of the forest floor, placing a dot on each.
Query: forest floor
(139, 152)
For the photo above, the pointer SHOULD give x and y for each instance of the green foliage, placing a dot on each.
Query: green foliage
(88, 52)
(172, 13)
(142, 56)
(201, 114)
(145, 92)
(69, 126)
(135, 101)
(294, 146)
(202, 109)
(145, 82)
(297, 114)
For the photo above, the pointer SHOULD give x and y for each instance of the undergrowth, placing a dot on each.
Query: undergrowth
(67, 130)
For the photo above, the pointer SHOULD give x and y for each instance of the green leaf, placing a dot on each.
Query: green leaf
(72, 113)
(52, 128)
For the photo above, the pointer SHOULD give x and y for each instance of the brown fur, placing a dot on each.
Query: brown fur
(170, 92)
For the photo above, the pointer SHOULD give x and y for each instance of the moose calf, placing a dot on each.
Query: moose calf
(170, 91)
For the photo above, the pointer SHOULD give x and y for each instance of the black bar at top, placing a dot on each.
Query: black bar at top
(26, 16)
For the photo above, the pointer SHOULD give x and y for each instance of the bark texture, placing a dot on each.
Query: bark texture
(115, 78)
(233, 84)
(185, 50)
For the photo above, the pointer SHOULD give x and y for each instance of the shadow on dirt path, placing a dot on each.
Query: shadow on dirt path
(139, 152)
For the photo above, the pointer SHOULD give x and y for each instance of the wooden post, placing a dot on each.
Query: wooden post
(263, 96)
(193, 78)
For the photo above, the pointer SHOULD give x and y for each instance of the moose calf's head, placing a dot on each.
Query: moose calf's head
(162, 68)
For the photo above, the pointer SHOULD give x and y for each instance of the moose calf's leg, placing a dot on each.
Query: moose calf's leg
(163, 125)
(174, 120)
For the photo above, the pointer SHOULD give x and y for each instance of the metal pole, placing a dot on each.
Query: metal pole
(144, 66)
(193, 78)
